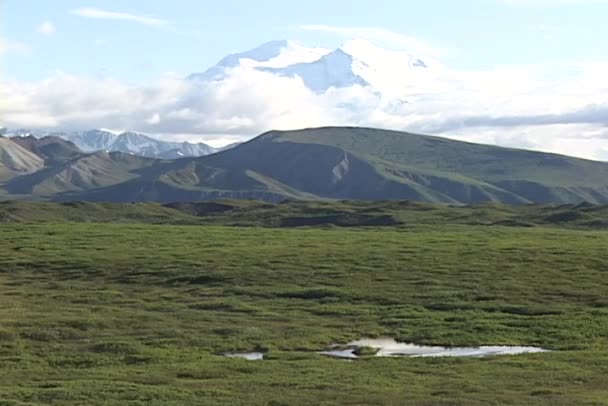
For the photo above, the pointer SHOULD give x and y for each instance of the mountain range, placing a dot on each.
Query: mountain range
(323, 163)
(128, 142)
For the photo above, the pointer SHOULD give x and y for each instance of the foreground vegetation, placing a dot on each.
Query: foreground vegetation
(133, 313)
(308, 213)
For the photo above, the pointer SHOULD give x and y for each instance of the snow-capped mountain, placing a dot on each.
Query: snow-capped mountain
(127, 142)
(355, 63)
(332, 70)
(137, 144)
(91, 140)
(23, 132)
(273, 54)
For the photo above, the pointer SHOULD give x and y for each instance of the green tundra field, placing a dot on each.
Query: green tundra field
(114, 314)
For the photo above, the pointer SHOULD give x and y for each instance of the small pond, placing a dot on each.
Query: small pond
(250, 356)
(388, 347)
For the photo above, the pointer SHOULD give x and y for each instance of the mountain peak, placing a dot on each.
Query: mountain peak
(261, 53)
(269, 49)
(337, 56)
(366, 51)
(264, 52)
(355, 62)
(333, 70)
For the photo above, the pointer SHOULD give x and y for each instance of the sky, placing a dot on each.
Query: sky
(521, 73)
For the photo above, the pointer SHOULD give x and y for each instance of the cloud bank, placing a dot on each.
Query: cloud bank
(557, 107)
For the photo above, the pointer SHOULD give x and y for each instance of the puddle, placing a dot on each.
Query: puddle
(348, 353)
(388, 347)
(250, 356)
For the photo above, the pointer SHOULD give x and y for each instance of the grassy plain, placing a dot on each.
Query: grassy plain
(119, 314)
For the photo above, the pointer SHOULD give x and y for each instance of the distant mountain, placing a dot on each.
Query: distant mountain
(273, 54)
(327, 163)
(355, 63)
(262, 53)
(137, 144)
(91, 140)
(332, 70)
(127, 142)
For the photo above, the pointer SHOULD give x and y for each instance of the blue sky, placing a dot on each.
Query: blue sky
(517, 73)
(192, 35)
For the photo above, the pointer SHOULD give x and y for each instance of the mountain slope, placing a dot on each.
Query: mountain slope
(16, 160)
(87, 172)
(328, 171)
(332, 70)
(91, 140)
(261, 53)
(535, 176)
(329, 163)
(361, 163)
(272, 54)
(52, 149)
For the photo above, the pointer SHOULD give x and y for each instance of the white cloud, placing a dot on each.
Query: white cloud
(382, 36)
(112, 15)
(46, 28)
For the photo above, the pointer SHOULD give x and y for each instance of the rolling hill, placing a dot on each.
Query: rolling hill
(329, 163)
(290, 214)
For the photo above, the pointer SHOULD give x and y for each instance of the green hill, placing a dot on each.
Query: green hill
(333, 163)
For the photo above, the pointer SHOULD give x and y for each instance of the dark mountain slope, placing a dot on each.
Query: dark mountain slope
(333, 172)
(487, 162)
(16, 160)
(529, 175)
(87, 172)
(51, 148)
(330, 163)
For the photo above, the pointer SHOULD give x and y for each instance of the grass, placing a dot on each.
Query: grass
(132, 313)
